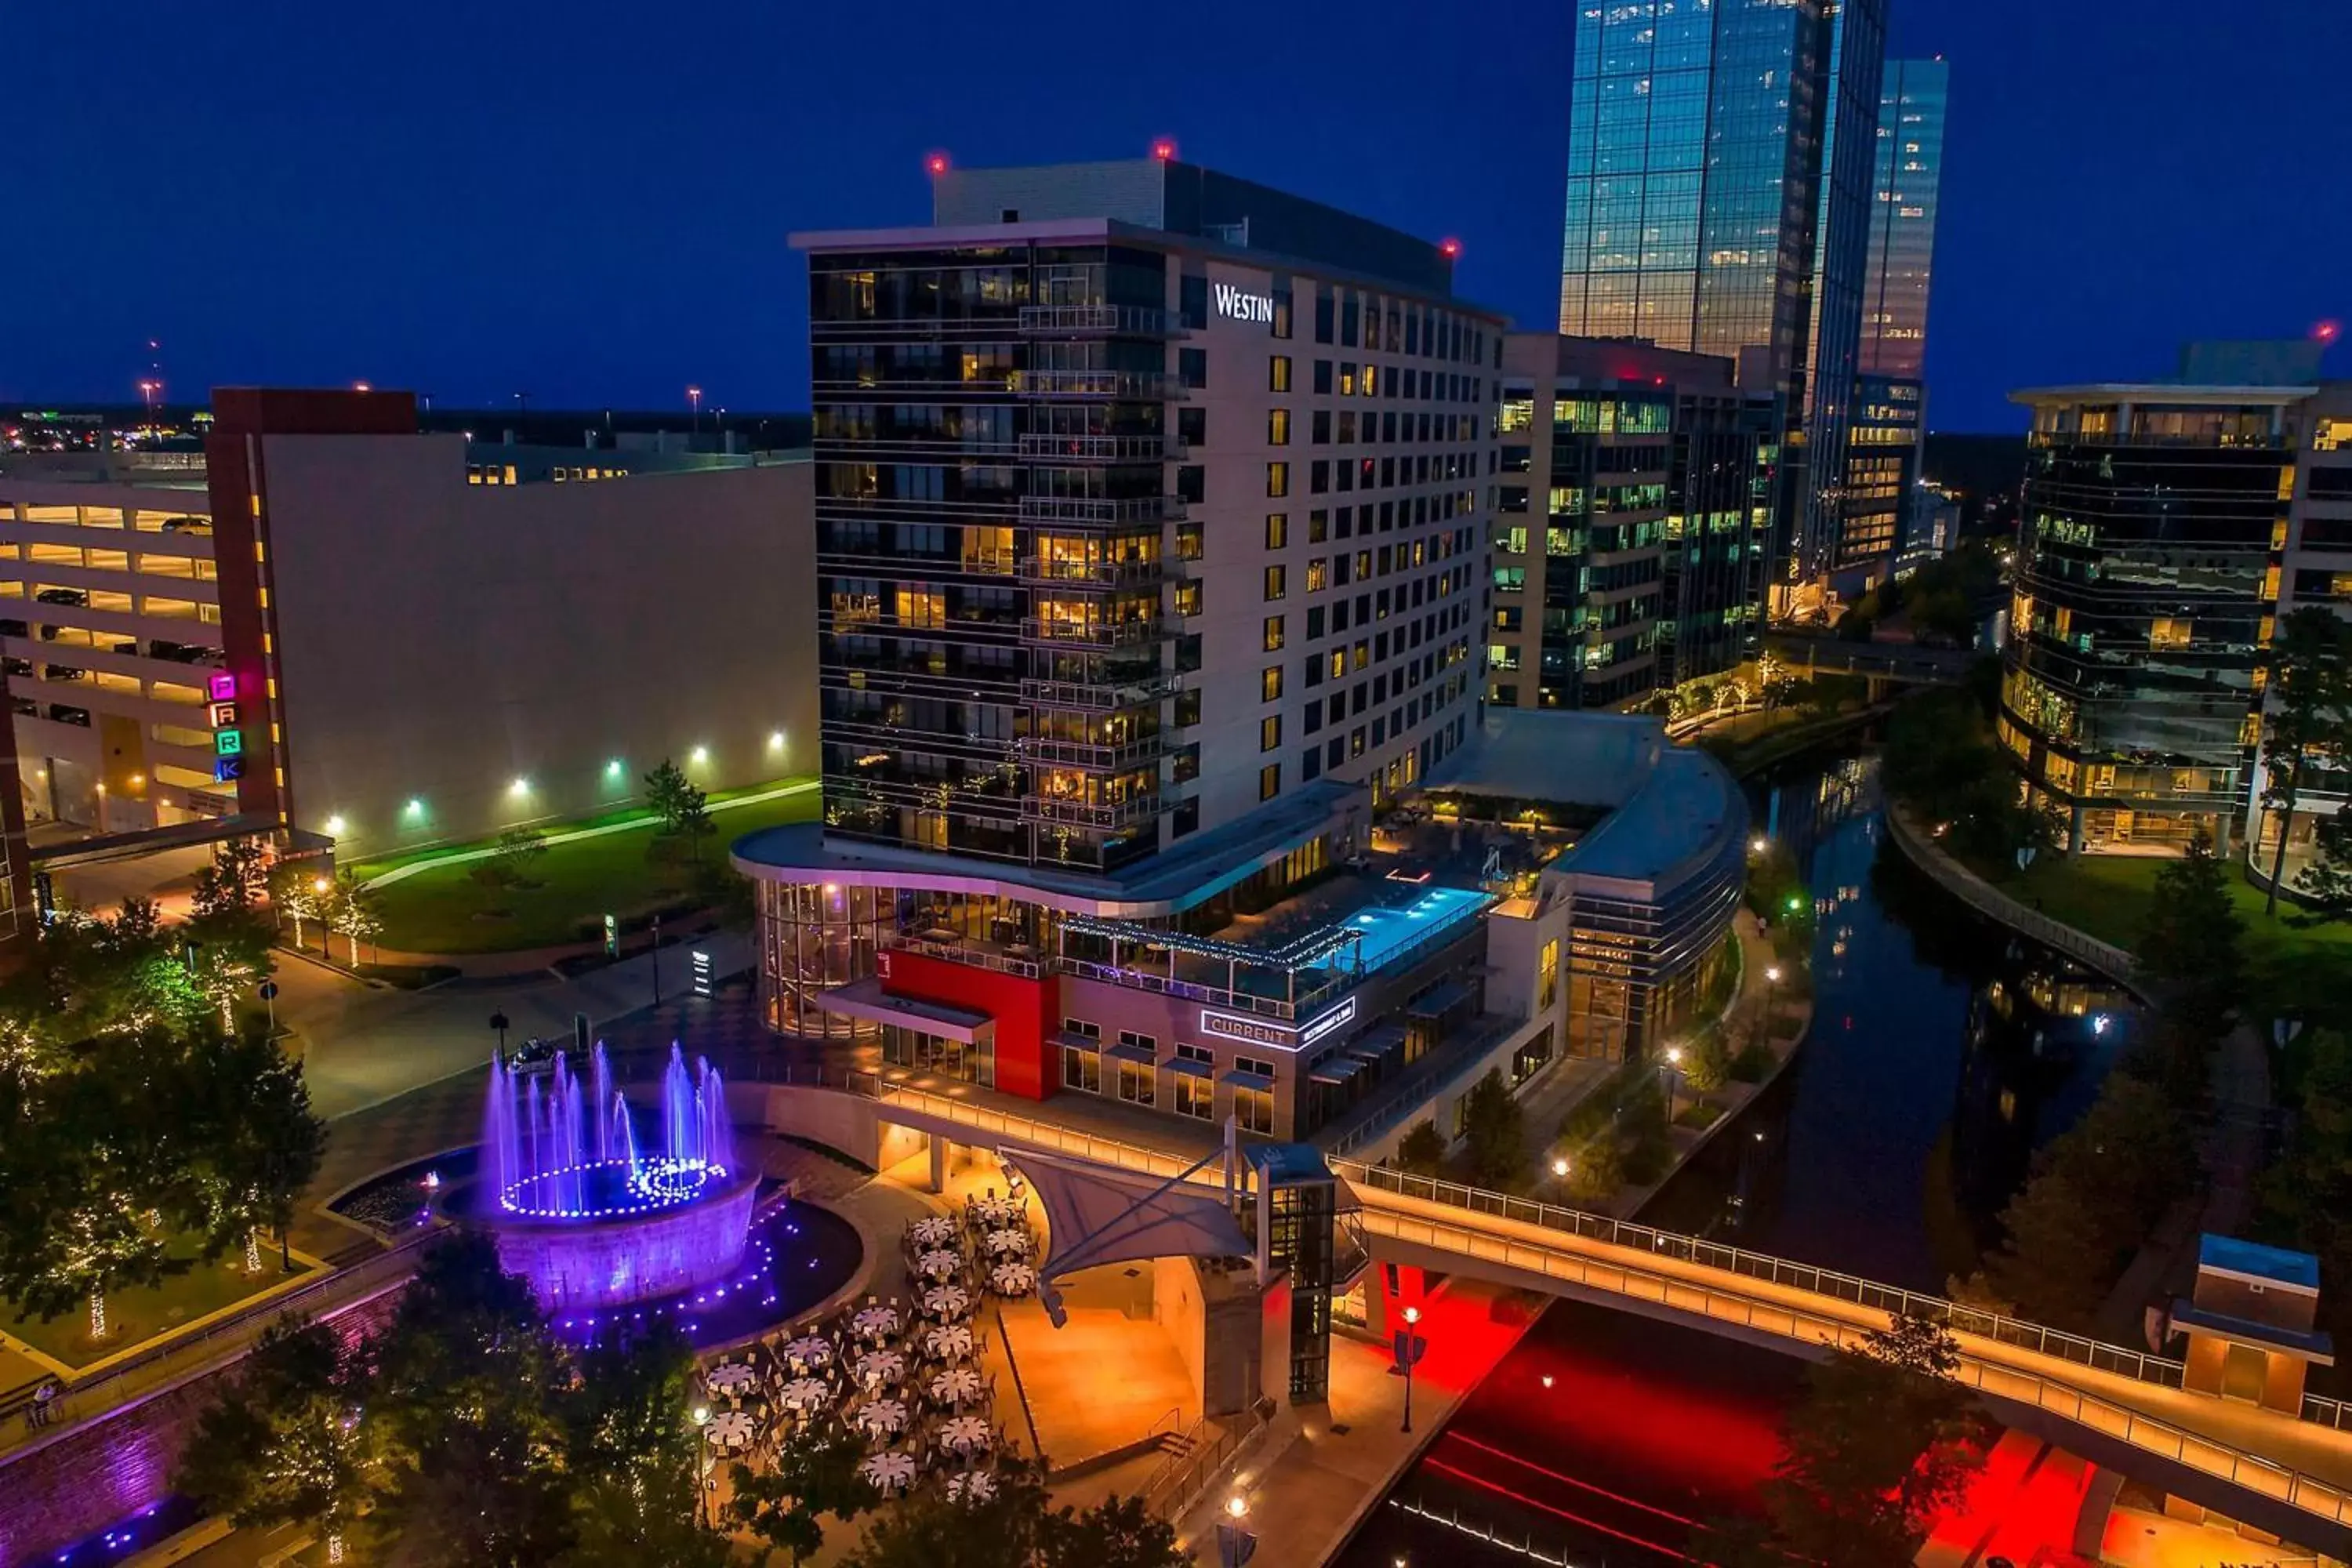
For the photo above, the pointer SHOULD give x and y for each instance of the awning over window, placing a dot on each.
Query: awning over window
(1124, 1053)
(1336, 1069)
(1192, 1068)
(865, 999)
(1451, 994)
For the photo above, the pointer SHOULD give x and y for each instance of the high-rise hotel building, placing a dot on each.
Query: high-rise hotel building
(1151, 550)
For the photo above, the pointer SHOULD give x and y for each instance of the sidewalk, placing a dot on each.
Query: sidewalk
(1318, 1472)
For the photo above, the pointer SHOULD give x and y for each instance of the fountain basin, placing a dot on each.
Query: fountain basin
(592, 1261)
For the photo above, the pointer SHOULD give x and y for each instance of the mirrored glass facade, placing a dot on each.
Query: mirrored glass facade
(1910, 158)
(1718, 201)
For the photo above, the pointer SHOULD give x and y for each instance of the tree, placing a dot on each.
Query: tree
(637, 1462)
(1492, 1130)
(2095, 1192)
(282, 1447)
(464, 1404)
(1884, 1439)
(931, 1529)
(234, 880)
(1117, 1533)
(260, 1144)
(520, 850)
(1422, 1150)
(814, 1474)
(684, 810)
(298, 892)
(2191, 948)
(2307, 719)
(353, 913)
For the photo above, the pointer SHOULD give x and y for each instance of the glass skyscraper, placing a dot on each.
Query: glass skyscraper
(1708, 147)
(1910, 156)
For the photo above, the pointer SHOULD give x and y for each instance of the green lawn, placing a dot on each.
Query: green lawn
(2299, 962)
(133, 1316)
(444, 910)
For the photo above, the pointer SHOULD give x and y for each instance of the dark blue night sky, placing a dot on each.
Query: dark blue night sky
(589, 201)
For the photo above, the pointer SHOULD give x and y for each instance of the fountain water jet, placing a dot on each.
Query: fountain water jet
(589, 1214)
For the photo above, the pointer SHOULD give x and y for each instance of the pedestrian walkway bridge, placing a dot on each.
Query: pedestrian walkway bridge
(2114, 1393)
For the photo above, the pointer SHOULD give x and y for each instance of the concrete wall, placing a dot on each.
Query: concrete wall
(437, 641)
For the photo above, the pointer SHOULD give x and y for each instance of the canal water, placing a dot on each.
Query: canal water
(1944, 1051)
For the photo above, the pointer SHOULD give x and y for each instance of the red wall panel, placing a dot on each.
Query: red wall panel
(1026, 1012)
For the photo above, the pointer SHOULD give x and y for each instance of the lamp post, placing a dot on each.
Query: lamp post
(1409, 1349)
(1235, 1544)
(1771, 998)
(702, 1466)
(694, 396)
(1669, 1070)
(499, 1022)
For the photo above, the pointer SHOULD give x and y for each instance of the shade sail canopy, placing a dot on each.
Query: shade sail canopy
(1099, 1213)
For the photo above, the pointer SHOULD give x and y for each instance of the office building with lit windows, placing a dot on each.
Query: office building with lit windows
(1888, 419)
(323, 624)
(1718, 201)
(1634, 521)
(1913, 102)
(1151, 550)
(2166, 526)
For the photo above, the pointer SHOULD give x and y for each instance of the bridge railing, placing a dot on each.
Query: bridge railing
(2121, 1360)
(2149, 1433)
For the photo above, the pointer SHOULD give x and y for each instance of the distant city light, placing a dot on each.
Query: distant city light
(2328, 331)
(361, 386)
(1164, 149)
(335, 826)
(1449, 248)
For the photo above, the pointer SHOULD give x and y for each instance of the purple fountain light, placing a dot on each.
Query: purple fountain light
(589, 1214)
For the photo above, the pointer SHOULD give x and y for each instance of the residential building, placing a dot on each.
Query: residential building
(1632, 522)
(2149, 574)
(1718, 203)
(326, 622)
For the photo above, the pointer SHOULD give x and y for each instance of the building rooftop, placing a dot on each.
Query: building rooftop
(1163, 884)
(1668, 805)
(2253, 1260)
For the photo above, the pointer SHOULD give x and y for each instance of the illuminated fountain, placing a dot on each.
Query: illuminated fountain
(592, 1215)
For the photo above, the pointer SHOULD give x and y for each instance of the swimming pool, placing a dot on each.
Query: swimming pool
(1387, 930)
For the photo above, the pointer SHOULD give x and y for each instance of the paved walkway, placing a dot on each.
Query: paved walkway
(401, 873)
(1318, 1471)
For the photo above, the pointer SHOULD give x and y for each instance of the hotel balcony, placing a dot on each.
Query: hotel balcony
(1098, 696)
(1081, 814)
(1128, 385)
(1042, 445)
(1100, 321)
(1108, 759)
(1097, 510)
(1047, 573)
(1097, 634)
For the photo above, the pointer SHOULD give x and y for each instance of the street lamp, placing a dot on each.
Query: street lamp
(701, 1467)
(1668, 1071)
(694, 396)
(1235, 1544)
(1409, 1349)
(1758, 845)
